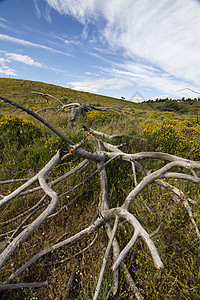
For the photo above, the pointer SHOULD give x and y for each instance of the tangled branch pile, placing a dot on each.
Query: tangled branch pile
(107, 216)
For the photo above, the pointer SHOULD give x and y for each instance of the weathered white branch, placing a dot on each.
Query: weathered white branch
(134, 173)
(105, 259)
(123, 213)
(47, 95)
(105, 153)
(14, 180)
(182, 176)
(36, 223)
(190, 164)
(161, 173)
(73, 238)
(16, 192)
(59, 179)
(126, 250)
(24, 213)
(110, 137)
(22, 285)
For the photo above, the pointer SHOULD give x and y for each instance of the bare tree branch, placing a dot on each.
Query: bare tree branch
(73, 238)
(22, 285)
(105, 259)
(102, 155)
(36, 223)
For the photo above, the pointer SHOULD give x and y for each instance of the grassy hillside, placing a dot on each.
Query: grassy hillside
(20, 90)
(25, 147)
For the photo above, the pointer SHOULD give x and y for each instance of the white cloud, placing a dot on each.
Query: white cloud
(72, 42)
(163, 34)
(3, 60)
(93, 85)
(146, 76)
(37, 10)
(11, 39)
(25, 59)
(4, 69)
(3, 23)
(3, 20)
(82, 10)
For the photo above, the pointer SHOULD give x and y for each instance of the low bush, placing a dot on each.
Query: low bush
(17, 131)
(179, 137)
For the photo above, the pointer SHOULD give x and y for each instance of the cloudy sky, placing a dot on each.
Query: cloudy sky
(111, 47)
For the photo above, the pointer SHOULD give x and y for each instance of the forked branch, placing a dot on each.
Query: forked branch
(106, 214)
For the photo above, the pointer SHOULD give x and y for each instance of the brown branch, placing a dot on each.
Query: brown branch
(69, 284)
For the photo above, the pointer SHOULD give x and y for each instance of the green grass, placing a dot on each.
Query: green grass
(23, 153)
(20, 91)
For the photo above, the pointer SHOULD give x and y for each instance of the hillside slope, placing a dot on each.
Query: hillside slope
(20, 91)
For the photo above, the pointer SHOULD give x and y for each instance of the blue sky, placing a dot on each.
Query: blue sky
(110, 47)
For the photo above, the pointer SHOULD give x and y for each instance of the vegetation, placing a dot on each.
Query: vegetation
(178, 136)
(25, 147)
(20, 91)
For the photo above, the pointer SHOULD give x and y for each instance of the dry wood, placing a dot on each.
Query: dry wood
(22, 285)
(103, 154)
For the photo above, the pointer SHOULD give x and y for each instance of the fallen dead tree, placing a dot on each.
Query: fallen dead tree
(105, 216)
(75, 108)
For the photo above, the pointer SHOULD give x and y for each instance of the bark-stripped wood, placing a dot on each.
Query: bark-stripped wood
(103, 154)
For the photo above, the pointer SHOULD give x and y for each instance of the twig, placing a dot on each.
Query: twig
(131, 282)
(47, 95)
(73, 256)
(105, 259)
(69, 284)
(22, 214)
(73, 238)
(157, 230)
(92, 131)
(39, 220)
(14, 180)
(86, 179)
(65, 206)
(22, 285)
(24, 221)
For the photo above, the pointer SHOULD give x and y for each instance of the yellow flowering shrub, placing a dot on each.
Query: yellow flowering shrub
(176, 136)
(17, 131)
(8, 121)
(96, 115)
(53, 144)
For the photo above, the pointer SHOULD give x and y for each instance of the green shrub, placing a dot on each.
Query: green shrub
(97, 117)
(17, 131)
(177, 136)
(170, 105)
